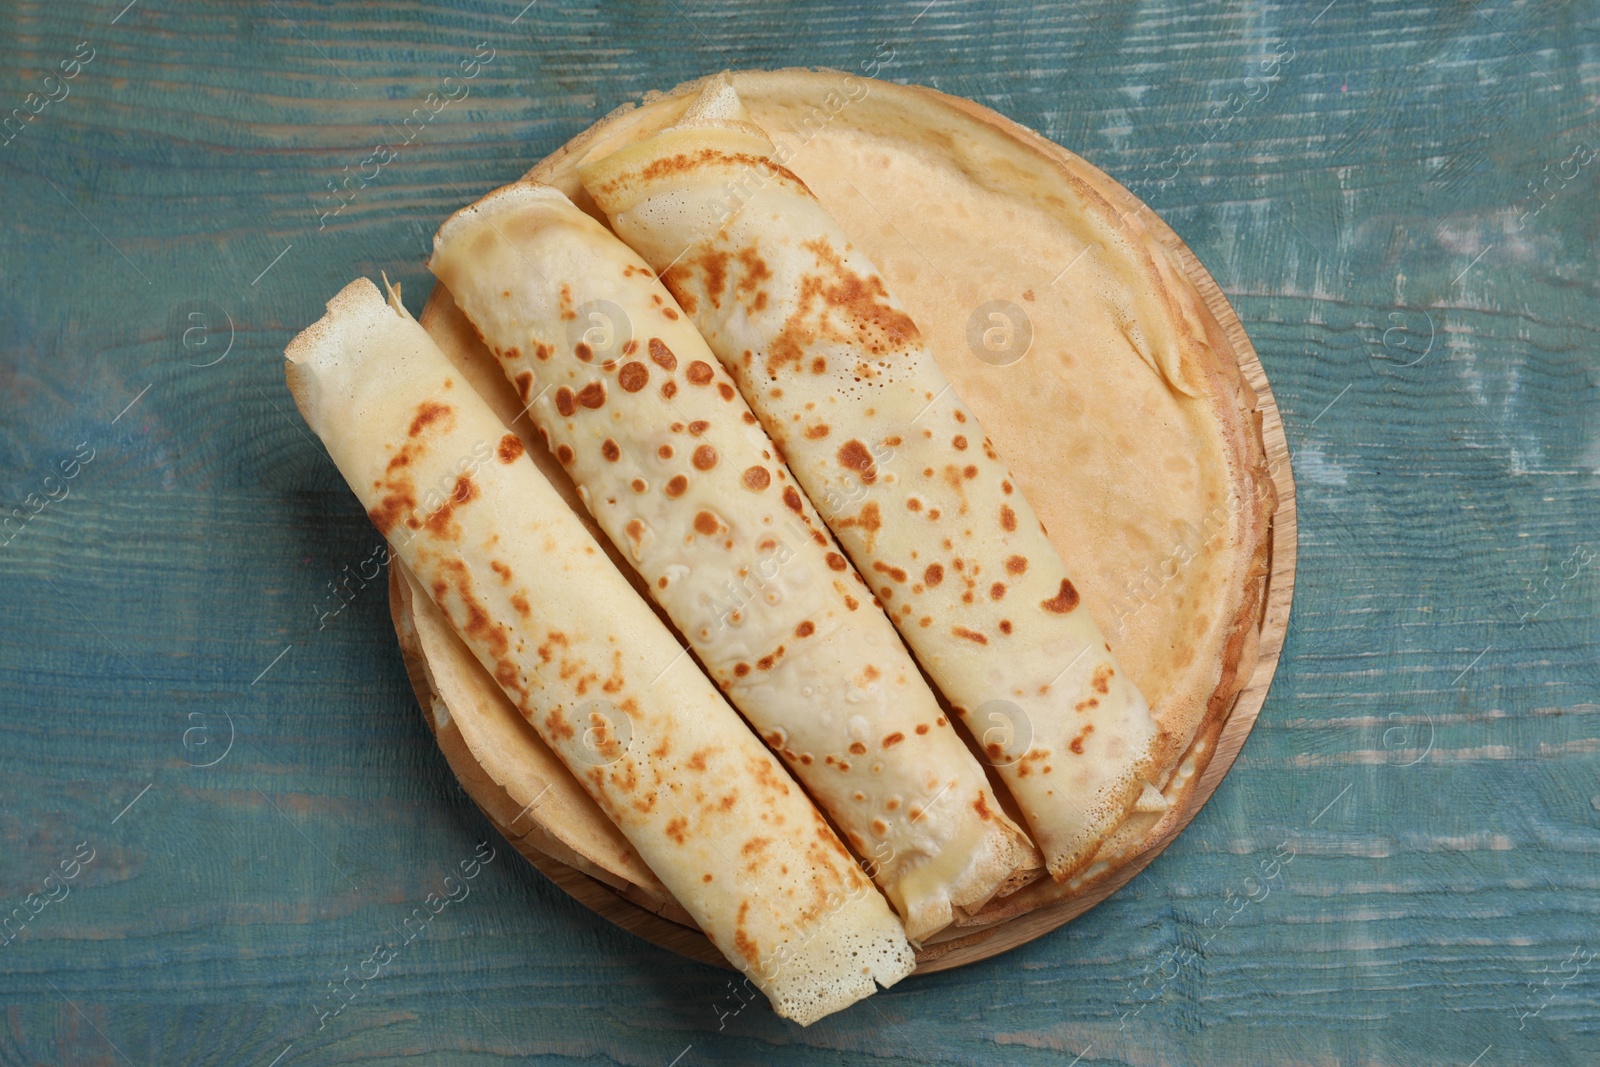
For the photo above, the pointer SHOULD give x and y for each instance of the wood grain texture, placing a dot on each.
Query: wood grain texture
(1430, 750)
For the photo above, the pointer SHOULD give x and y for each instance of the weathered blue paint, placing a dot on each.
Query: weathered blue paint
(1398, 199)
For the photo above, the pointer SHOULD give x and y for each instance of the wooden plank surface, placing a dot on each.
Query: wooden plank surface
(1398, 200)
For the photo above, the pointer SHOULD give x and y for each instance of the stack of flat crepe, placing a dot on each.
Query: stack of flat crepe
(759, 428)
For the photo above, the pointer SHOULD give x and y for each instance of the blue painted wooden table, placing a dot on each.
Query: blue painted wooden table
(217, 795)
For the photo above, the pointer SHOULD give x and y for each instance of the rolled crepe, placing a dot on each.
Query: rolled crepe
(676, 470)
(585, 659)
(900, 469)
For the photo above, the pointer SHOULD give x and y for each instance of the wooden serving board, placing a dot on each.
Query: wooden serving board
(856, 159)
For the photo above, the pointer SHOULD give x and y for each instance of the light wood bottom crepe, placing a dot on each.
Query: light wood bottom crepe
(1165, 508)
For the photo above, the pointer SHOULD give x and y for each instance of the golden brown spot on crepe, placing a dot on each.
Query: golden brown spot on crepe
(749, 417)
(662, 355)
(997, 590)
(640, 485)
(1064, 601)
(698, 427)
(713, 265)
(609, 449)
(853, 456)
(1102, 679)
(439, 524)
(677, 829)
(510, 448)
(836, 561)
(677, 485)
(665, 451)
(669, 313)
(925, 622)
(765, 663)
(857, 748)
(960, 442)
(1005, 626)
(851, 602)
(520, 603)
(757, 477)
(705, 457)
(524, 383)
(583, 352)
(819, 365)
(970, 635)
(755, 268)
(543, 351)
(960, 415)
(633, 376)
(564, 454)
(791, 498)
(880, 827)
(862, 303)
(699, 373)
(558, 726)
(592, 395)
(635, 529)
(893, 739)
(428, 413)
(725, 390)
(669, 389)
(894, 572)
(933, 575)
(981, 806)
(817, 432)
(970, 471)
(705, 877)
(805, 629)
(564, 401)
(400, 459)
(1017, 564)
(870, 520)
(1008, 518)
(1086, 705)
(1077, 742)
(705, 523)
(741, 669)
(501, 569)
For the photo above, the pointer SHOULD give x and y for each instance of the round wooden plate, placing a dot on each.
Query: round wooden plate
(1190, 573)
